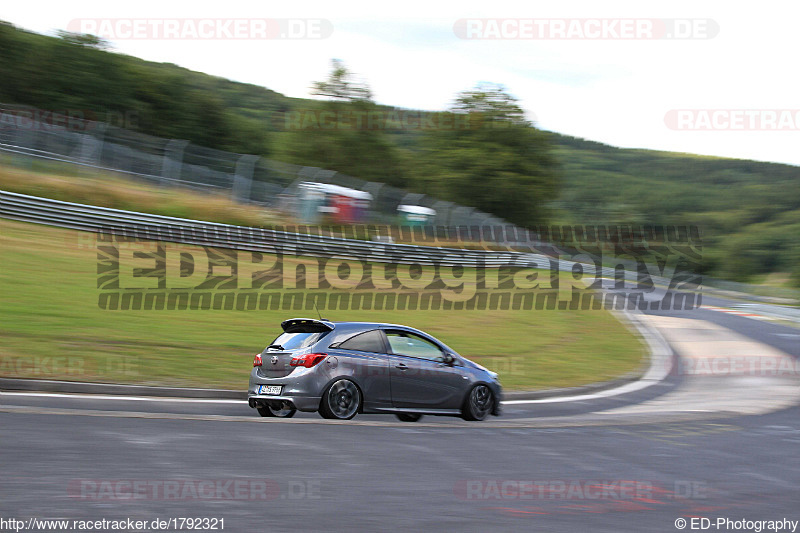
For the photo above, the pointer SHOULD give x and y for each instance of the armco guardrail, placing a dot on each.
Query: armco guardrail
(168, 229)
(156, 227)
(161, 228)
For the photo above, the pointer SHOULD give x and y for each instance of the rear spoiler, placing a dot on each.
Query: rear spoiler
(306, 325)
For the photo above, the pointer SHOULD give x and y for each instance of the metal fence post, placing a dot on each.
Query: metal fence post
(443, 210)
(173, 160)
(91, 148)
(164, 161)
(243, 177)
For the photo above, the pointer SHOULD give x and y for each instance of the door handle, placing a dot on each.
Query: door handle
(401, 366)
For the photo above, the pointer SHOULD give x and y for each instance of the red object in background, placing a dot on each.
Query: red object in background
(344, 204)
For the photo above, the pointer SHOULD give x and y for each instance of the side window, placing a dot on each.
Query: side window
(371, 341)
(403, 343)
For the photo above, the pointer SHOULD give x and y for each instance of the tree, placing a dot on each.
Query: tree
(492, 104)
(84, 39)
(337, 134)
(492, 158)
(341, 87)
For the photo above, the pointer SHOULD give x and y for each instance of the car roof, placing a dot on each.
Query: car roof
(353, 327)
(347, 323)
(343, 330)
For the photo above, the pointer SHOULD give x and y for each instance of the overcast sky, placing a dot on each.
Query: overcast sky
(741, 59)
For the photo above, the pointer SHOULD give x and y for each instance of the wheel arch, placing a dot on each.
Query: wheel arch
(348, 377)
(495, 410)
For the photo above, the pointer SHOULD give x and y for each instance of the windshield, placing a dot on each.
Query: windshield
(296, 341)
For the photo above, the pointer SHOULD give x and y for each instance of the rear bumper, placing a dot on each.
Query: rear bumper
(303, 388)
(308, 404)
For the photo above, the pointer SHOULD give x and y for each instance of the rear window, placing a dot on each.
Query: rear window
(371, 341)
(296, 341)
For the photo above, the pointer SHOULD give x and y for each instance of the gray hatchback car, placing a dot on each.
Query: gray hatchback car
(343, 368)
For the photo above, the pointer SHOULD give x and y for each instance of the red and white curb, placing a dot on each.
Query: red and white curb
(737, 312)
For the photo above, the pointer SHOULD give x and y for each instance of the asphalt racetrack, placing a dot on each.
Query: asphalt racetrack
(691, 447)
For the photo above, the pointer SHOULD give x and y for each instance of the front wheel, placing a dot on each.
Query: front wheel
(286, 410)
(341, 401)
(479, 403)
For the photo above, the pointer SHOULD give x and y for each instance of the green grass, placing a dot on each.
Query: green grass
(782, 280)
(71, 183)
(51, 327)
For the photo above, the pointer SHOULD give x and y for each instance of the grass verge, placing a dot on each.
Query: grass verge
(70, 183)
(51, 327)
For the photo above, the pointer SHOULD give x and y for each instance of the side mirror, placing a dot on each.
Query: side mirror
(449, 359)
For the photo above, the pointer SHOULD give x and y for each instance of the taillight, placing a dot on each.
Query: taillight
(308, 360)
(257, 360)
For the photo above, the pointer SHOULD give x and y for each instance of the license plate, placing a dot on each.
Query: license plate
(270, 389)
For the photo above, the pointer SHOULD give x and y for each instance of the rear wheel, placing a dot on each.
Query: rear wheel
(479, 403)
(286, 410)
(341, 401)
(409, 417)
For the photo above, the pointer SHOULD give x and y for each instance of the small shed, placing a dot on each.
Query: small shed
(343, 204)
(416, 215)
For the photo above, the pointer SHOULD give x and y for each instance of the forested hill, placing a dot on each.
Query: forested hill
(161, 99)
(749, 210)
